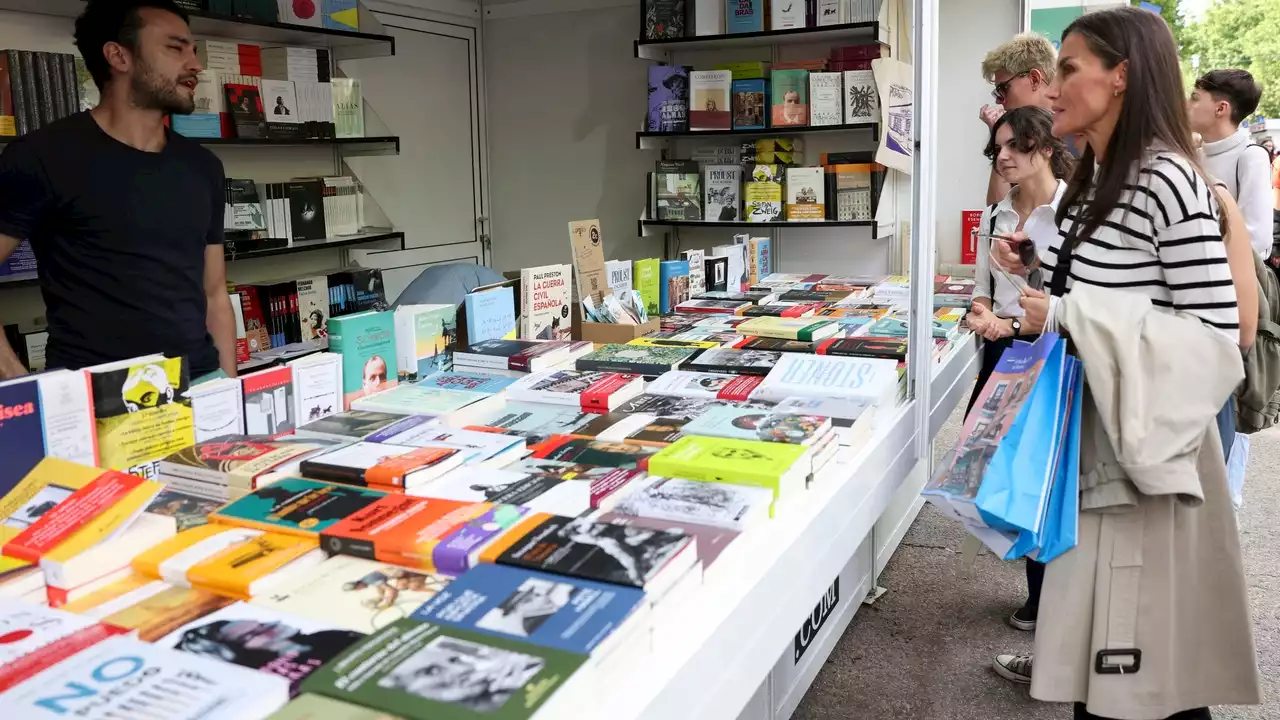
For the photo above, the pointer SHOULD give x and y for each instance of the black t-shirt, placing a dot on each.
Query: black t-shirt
(119, 237)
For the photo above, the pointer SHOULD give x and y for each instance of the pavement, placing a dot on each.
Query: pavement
(923, 651)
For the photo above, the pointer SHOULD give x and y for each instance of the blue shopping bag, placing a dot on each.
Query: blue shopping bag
(1015, 488)
(1062, 521)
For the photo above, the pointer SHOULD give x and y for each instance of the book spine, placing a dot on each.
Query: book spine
(10, 86)
(622, 366)
(70, 83)
(27, 66)
(333, 473)
(339, 545)
(53, 64)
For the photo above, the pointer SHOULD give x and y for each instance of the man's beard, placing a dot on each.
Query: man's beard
(153, 92)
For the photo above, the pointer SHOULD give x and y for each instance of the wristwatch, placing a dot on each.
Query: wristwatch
(1017, 326)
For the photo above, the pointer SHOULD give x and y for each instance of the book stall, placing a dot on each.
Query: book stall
(651, 487)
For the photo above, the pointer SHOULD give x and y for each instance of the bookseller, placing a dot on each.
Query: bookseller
(125, 217)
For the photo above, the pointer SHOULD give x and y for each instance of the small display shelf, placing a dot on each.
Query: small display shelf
(370, 235)
(661, 49)
(646, 140)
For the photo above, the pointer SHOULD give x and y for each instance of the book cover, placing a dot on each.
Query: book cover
(426, 336)
(775, 344)
(491, 314)
(28, 629)
(780, 311)
(356, 424)
(673, 284)
(826, 98)
(264, 639)
(671, 406)
(380, 465)
(244, 103)
(296, 506)
(545, 294)
(187, 510)
(619, 273)
(871, 347)
(9, 76)
(89, 514)
(872, 379)
(313, 307)
(709, 105)
(750, 104)
(647, 282)
(789, 97)
(804, 329)
(354, 593)
(745, 424)
(862, 99)
(217, 408)
(367, 343)
(477, 447)
(741, 462)
(21, 431)
(478, 383)
(420, 670)
(409, 399)
(717, 274)
(348, 108)
(668, 99)
(637, 429)
(707, 386)
(721, 188)
(280, 103)
(760, 258)
(635, 359)
(554, 611)
(534, 420)
(787, 14)
(306, 209)
(589, 452)
(123, 677)
(171, 559)
(300, 12)
(744, 16)
(806, 194)
(712, 541)
(597, 391)
(763, 200)
(697, 271)
(722, 307)
(518, 355)
(719, 505)
(269, 407)
(317, 386)
(148, 608)
(738, 362)
(663, 19)
(248, 567)
(679, 194)
(141, 412)
(523, 485)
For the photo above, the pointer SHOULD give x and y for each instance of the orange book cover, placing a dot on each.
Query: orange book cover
(513, 536)
(402, 530)
(393, 470)
(67, 517)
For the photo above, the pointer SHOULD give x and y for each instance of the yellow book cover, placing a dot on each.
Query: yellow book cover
(235, 571)
(660, 342)
(49, 483)
(115, 592)
(111, 522)
(169, 560)
(150, 608)
(141, 413)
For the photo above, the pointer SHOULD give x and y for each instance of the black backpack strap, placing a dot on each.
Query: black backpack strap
(1062, 267)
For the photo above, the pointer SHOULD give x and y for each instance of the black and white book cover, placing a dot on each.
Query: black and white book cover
(697, 260)
(861, 98)
(306, 209)
(583, 548)
(740, 362)
(723, 201)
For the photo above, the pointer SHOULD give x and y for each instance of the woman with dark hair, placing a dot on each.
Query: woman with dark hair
(1148, 616)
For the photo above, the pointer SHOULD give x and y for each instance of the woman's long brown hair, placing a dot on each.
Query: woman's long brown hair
(1153, 112)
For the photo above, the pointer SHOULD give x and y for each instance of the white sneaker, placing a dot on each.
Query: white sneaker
(1016, 668)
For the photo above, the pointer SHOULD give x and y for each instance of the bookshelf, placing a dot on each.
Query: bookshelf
(660, 50)
(646, 140)
(646, 223)
(380, 145)
(370, 235)
(344, 44)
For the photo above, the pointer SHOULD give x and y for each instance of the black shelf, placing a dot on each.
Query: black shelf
(809, 224)
(659, 49)
(232, 254)
(643, 135)
(345, 44)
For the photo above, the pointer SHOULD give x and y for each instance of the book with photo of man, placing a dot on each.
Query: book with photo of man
(244, 103)
(555, 611)
(284, 122)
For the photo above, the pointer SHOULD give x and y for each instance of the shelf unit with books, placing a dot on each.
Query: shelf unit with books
(646, 140)
(660, 50)
(345, 44)
(646, 224)
(370, 235)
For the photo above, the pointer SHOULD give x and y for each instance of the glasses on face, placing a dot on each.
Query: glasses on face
(1002, 89)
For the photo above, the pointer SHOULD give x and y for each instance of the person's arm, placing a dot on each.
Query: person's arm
(1256, 200)
(219, 319)
(10, 366)
(1240, 260)
(982, 290)
(997, 188)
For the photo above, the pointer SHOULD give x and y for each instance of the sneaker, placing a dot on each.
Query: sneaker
(1024, 619)
(1013, 667)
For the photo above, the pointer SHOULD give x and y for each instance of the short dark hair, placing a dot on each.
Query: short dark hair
(1233, 86)
(117, 21)
(1032, 128)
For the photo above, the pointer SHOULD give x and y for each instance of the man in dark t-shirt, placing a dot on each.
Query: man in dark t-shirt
(125, 216)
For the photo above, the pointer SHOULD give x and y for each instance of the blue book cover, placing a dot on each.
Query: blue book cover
(491, 315)
(468, 381)
(763, 251)
(673, 284)
(750, 104)
(341, 15)
(668, 98)
(21, 431)
(550, 610)
(743, 16)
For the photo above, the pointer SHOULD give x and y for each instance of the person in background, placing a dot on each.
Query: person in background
(1220, 101)
(125, 216)
(1161, 571)
(1023, 152)
(1021, 71)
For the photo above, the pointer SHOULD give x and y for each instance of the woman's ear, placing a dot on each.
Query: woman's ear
(1121, 77)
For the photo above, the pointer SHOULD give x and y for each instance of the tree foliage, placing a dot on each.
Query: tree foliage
(1238, 34)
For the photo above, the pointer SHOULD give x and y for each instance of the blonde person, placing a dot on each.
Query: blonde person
(1021, 71)
(1023, 152)
(1147, 618)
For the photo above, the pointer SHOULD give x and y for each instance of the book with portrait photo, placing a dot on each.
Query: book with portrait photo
(244, 103)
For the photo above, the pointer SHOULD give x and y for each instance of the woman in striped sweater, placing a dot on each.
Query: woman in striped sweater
(1138, 216)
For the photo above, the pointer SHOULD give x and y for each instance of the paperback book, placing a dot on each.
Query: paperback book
(668, 98)
(805, 329)
(673, 284)
(585, 451)
(367, 343)
(491, 314)
(795, 375)
(269, 403)
(747, 424)
(297, 507)
(426, 337)
(790, 98)
(826, 98)
(141, 411)
(709, 107)
(636, 359)
(595, 391)
(697, 271)
(780, 467)
(704, 386)
(721, 505)
(536, 421)
(545, 294)
(750, 104)
(517, 355)
(736, 362)
(619, 272)
(646, 278)
(722, 185)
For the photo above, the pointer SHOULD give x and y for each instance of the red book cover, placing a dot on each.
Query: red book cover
(269, 403)
(392, 470)
(255, 323)
(596, 397)
(969, 221)
(28, 665)
(819, 277)
(8, 114)
(65, 518)
(740, 388)
(520, 360)
(611, 482)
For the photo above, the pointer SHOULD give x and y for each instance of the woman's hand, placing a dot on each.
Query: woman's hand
(1004, 252)
(1036, 306)
(978, 318)
(997, 329)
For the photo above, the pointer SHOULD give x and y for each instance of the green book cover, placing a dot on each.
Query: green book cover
(422, 671)
(647, 284)
(740, 462)
(757, 424)
(318, 707)
(367, 343)
(296, 507)
(790, 97)
(636, 359)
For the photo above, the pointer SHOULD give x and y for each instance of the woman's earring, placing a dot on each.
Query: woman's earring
(1115, 93)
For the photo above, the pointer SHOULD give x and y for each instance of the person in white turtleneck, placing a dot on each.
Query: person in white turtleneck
(1221, 100)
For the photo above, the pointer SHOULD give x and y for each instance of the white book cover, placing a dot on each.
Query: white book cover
(861, 99)
(619, 272)
(826, 106)
(722, 193)
(539, 494)
(27, 628)
(121, 677)
(874, 380)
(317, 386)
(280, 102)
(829, 12)
(737, 255)
(218, 409)
(545, 294)
(348, 108)
(173, 569)
(689, 384)
(412, 399)
(787, 14)
(210, 98)
(67, 417)
(361, 455)
(735, 507)
(313, 307)
(484, 445)
(301, 13)
(805, 187)
(709, 18)
(697, 260)
(708, 91)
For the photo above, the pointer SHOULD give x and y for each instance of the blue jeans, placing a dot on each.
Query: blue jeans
(1227, 426)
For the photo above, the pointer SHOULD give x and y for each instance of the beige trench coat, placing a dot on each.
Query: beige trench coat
(1158, 567)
